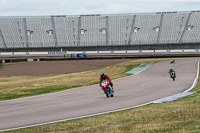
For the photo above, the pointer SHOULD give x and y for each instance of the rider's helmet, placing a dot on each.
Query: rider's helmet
(102, 75)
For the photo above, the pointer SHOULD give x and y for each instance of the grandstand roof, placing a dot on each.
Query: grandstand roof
(120, 14)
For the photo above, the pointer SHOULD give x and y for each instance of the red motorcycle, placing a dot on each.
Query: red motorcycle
(106, 87)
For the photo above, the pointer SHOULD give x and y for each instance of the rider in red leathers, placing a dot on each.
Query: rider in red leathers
(103, 77)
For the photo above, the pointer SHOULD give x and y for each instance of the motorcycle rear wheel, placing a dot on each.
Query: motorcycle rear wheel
(112, 95)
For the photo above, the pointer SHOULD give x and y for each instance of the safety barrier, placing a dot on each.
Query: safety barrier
(101, 52)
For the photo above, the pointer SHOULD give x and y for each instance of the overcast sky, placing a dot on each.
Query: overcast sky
(81, 7)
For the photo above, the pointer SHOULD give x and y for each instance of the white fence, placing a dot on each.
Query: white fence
(101, 52)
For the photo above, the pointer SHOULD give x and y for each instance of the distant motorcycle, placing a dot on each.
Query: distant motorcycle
(173, 75)
(172, 61)
(106, 87)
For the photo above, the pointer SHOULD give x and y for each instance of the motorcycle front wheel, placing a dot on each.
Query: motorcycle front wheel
(106, 92)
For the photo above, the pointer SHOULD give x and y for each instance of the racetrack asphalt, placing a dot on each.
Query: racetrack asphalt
(151, 84)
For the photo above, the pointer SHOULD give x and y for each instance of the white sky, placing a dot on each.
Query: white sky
(81, 7)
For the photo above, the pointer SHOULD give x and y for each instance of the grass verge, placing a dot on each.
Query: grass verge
(38, 91)
(181, 116)
(4, 64)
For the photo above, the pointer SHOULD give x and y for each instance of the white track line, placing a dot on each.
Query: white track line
(195, 80)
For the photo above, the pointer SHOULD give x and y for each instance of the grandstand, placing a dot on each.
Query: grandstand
(160, 30)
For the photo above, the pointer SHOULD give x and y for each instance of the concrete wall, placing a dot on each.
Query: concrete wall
(121, 47)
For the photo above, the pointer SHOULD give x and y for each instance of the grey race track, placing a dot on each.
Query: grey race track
(152, 84)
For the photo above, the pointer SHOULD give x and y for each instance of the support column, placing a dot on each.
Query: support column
(133, 23)
(79, 31)
(1, 36)
(185, 28)
(107, 30)
(54, 32)
(25, 32)
(160, 29)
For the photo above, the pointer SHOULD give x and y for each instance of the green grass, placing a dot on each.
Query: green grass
(180, 116)
(38, 91)
(6, 64)
(3, 64)
(48, 89)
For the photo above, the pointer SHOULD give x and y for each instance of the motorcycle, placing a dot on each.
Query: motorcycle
(173, 75)
(106, 87)
(172, 61)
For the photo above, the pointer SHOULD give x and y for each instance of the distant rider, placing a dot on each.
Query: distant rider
(172, 61)
(103, 77)
(172, 73)
(171, 70)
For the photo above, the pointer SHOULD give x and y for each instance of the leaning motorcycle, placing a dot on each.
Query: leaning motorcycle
(173, 75)
(106, 87)
(172, 61)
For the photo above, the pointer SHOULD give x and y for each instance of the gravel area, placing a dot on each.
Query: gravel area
(56, 67)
